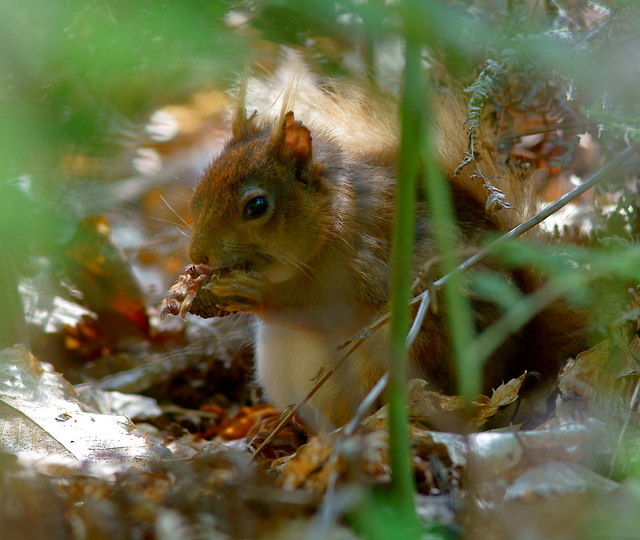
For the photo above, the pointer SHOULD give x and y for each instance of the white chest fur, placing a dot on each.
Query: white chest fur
(290, 361)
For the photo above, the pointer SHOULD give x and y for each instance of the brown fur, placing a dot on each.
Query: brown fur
(327, 233)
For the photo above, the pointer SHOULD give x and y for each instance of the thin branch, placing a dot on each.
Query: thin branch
(425, 302)
(546, 129)
(366, 404)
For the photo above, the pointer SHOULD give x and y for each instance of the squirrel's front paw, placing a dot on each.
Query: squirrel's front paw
(239, 290)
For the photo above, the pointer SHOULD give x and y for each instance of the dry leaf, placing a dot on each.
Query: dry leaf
(433, 409)
(503, 396)
(310, 466)
(454, 413)
(600, 382)
(112, 402)
(321, 458)
(240, 424)
(40, 416)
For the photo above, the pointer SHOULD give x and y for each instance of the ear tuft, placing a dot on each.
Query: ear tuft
(297, 138)
(242, 126)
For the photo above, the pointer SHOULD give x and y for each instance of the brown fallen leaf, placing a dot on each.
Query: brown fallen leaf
(454, 413)
(438, 411)
(503, 396)
(330, 456)
(309, 466)
(288, 439)
(601, 381)
(86, 339)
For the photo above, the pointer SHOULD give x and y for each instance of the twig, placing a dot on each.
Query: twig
(366, 404)
(328, 511)
(546, 129)
(425, 302)
(424, 297)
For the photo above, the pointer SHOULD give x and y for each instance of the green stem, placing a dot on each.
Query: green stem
(13, 329)
(457, 308)
(411, 132)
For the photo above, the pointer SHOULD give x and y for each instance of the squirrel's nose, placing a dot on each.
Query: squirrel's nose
(197, 254)
(212, 252)
(198, 257)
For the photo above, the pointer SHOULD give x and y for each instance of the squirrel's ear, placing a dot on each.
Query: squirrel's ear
(295, 139)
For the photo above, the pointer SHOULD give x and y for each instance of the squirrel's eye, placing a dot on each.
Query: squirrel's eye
(256, 207)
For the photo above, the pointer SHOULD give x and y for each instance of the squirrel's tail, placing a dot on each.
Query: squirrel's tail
(507, 198)
(361, 119)
(504, 194)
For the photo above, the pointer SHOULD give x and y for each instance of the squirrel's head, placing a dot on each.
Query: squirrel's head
(262, 204)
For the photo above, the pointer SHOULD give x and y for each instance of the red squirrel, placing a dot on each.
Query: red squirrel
(294, 221)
